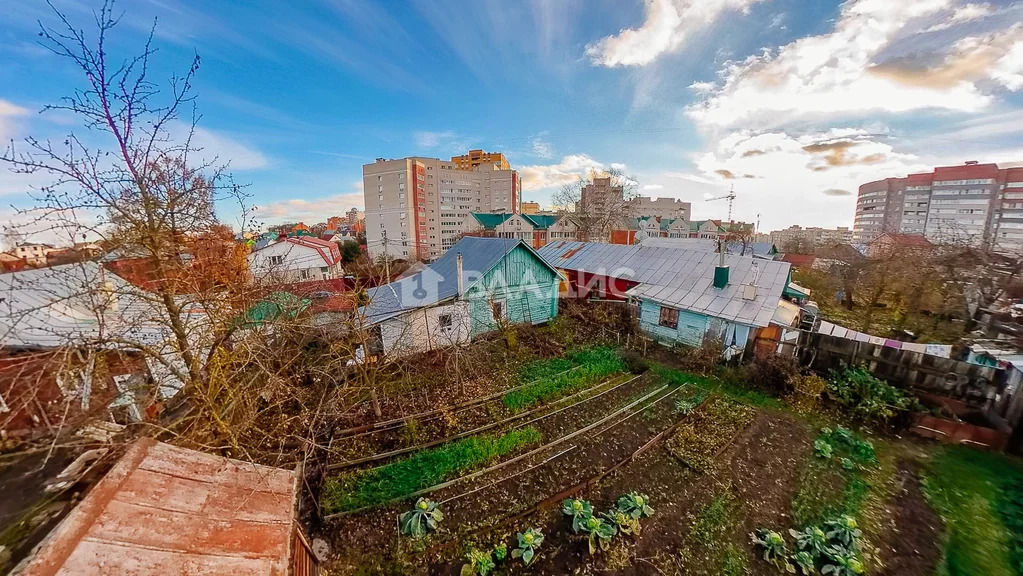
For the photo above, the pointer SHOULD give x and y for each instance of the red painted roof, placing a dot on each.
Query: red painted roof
(168, 510)
(329, 251)
(799, 260)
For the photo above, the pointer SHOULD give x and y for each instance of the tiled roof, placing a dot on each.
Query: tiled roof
(680, 278)
(168, 510)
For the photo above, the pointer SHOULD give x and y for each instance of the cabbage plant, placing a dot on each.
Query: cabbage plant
(843, 564)
(423, 518)
(578, 510)
(623, 522)
(773, 545)
(845, 531)
(480, 563)
(812, 540)
(805, 562)
(529, 541)
(600, 533)
(636, 505)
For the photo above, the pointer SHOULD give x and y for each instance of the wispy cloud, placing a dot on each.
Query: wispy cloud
(666, 26)
(571, 169)
(8, 112)
(428, 139)
(308, 210)
(226, 150)
(541, 147)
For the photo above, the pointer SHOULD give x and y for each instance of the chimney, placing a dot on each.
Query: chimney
(721, 271)
(458, 268)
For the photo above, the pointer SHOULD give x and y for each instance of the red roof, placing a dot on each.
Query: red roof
(168, 510)
(904, 239)
(799, 260)
(329, 251)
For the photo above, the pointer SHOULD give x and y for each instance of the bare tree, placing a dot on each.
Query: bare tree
(600, 202)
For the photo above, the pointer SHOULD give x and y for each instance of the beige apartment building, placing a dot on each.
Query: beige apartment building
(416, 207)
(808, 238)
(663, 208)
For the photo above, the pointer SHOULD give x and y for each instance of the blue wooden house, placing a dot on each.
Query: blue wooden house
(477, 284)
(684, 296)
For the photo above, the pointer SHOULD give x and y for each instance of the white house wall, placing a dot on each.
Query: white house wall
(297, 263)
(420, 330)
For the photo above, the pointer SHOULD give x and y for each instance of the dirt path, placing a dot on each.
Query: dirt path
(912, 549)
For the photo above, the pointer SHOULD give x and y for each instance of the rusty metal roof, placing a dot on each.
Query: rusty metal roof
(166, 510)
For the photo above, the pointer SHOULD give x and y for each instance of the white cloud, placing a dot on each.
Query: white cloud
(691, 177)
(9, 111)
(965, 13)
(542, 148)
(666, 25)
(427, 139)
(848, 73)
(778, 175)
(571, 169)
(309, 211)
(225, 149)
(653, 187)
(618, 166)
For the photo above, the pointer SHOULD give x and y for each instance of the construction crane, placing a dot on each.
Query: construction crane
(731, 200)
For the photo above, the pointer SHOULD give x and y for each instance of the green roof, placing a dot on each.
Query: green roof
(274, 306)
(491, 221)
(541, 221)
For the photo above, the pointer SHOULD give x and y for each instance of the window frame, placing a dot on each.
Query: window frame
(668, 317)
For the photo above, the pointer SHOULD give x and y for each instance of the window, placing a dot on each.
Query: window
(669, 317)
(497, 307)
(278, 260)
(445, 321)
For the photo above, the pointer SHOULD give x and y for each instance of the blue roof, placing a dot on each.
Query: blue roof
(439, 281)
(752, 248)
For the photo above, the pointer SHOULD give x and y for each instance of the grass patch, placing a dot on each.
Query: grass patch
(595, 364)
(542, 369)
(421, 470)
(977, 495)
(705, 431)
(716, 523)
(726, 387)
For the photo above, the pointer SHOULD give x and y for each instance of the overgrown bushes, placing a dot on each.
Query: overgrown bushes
(868, 399)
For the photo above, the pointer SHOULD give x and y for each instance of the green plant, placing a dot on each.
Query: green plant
(422, 518)
(848, 464)
(622, 521)
(593, 365)
(600, 533)
(636, 505)
(773, 544)
(685, 406)
(805, 562)
(480, 563)
(867, 398)
(812, 540)
(529, 541)
(843, 563)
(422, 469)
(823, 449)
(578, 510)
(844, 530)
(501, 552)
(806, 392)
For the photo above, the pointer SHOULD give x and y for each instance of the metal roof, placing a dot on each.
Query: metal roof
(168, 510)
(702, 244)
(439, 281)
(680, 278)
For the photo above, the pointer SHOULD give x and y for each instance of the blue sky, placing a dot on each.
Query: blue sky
(793, 103)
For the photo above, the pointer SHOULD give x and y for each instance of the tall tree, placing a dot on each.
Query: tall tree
(600, 202)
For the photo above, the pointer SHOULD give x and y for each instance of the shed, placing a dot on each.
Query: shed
(168, 510)
(502, 279)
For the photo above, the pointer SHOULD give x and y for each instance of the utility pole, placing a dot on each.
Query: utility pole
(387, 260)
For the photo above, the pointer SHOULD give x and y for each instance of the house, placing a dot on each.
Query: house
(477, 284)
(298, 258)
(684, 296)
(535, 229)
(706, 229)
(70, 338)
(10, 263)
(887, 243)
(162, 510)
(33, 254)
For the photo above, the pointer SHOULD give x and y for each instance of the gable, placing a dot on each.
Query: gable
(519, 267)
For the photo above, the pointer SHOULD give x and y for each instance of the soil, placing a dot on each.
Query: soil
(913, 546)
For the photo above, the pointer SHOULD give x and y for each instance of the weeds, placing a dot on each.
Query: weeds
(698, 439)
(715, 524)
(421, 470)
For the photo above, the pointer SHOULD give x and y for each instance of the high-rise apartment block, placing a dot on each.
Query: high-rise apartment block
(977, 204)
(799, 238)
(416, 207)
(477, 158)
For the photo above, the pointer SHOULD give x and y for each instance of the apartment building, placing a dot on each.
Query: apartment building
(973, 203)
(661, 208)
(810, 237)
(416, 207)
(476, 158)
(530, 207)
